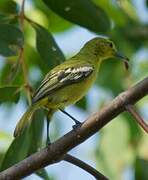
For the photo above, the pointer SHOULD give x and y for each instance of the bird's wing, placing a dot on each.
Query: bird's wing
(55, 80)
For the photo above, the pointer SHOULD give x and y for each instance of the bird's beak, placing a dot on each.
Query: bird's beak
(124, 58)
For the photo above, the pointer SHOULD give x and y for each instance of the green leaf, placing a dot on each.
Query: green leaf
(128, 8)
(17, 151)
(9, 74)
(44, 175)
(82, 103)
(4, 18)
(82, 12)
(112, 153)
(116, 73)
(9, 93)
(11, 40)
(134, 129)
(141, 167)
(8, 6)
(35, 135)
(27, 143)
(50, 19)
(47, 47)
(36, 131)
(136, 34)
(112, 11)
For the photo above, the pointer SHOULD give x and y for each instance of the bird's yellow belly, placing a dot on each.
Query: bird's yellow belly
(73, 94)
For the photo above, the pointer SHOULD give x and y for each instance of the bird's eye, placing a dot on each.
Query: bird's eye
(111, 44)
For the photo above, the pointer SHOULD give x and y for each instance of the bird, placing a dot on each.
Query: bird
(69, 81)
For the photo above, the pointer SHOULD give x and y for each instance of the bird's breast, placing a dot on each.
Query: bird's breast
(71, 93)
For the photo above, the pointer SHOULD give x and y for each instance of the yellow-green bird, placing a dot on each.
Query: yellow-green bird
(68, 82)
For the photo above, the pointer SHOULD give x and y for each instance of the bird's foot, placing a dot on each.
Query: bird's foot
(77, 125)
(48, 142)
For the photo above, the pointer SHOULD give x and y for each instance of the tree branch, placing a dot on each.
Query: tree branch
(77, 162)
(137, 117)
(56, 151)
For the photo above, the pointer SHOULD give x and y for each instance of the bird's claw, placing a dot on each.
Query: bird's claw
(77, 125)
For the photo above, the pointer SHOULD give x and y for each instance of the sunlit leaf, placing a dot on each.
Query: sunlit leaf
(9, 93)
(47, 47)
(54, 22)
(81, 12)
(112, 153)
(112, 11)
(17, 151)
(11, 40)
(128, 8)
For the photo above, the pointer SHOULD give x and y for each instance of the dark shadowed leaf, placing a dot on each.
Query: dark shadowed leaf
(11, 40)
(81, 12)
(135, 33)
(9, 75)
(82, 103)
(9, 93)
(8, 6)
(141, 167)
(47, 47)
(4, 18)
(134, 129)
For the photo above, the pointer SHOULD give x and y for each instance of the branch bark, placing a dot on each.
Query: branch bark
(137, 117)
(77, 162)
(56, 151)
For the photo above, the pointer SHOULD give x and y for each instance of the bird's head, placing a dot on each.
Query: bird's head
(103, 48)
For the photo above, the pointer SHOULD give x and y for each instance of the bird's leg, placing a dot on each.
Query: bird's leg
(47, 133)
(48, 118)
(77, 123)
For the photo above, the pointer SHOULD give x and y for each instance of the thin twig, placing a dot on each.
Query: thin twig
(137, 117)
(77, 162)
(59, 148)
(22, 14)
(24, 67)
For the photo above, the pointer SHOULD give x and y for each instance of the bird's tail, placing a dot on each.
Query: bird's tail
(23, 122)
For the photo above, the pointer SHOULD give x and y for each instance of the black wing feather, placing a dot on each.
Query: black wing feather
(54, 81)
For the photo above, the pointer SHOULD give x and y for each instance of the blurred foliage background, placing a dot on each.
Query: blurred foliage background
(52, 30)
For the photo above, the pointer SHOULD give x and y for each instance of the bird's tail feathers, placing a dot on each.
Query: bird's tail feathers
(23, 122)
